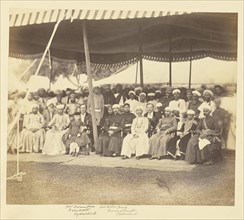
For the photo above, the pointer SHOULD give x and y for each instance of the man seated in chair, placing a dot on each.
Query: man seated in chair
(153, 119)
(201, 147)
(128, 117)
(110, 143)
(136, 143)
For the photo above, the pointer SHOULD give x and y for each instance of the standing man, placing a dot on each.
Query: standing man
(132, 101)
(99, 105)
(120, 98)
(165, 100)
(153, 119)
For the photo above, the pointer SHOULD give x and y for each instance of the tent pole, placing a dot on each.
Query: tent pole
(140, 56)
(190, 70)
(170, 62)
(136, 72)
(89, 78)
(50, 67)
(49, 44)
(22, 74)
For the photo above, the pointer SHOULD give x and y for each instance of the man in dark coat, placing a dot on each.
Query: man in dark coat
(153, 119)
(128, 117)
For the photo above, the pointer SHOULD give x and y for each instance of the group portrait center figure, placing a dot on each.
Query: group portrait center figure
(153, 123)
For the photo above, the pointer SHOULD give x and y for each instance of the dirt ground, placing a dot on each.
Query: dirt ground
(56, 182)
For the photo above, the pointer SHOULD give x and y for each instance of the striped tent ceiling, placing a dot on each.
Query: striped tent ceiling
(48, 16)
(114, 36)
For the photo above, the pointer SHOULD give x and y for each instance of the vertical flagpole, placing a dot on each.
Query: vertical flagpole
(140, 56)
(170, 61)
(190, 70)
(50, 67)
(89, 78)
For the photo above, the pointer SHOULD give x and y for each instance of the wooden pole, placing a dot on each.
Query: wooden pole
(140, 56)
(170, 61)
(48, 45)
(22, 74)
(50, 68)
(190, 70)
(89, 78)
(136, 72)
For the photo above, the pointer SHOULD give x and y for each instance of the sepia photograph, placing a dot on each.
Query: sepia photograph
(112, 108)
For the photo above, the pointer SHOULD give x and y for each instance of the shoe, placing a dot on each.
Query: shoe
(124, 157)
(159, 158)
(138, 158)
(207, 163)
(114, 155)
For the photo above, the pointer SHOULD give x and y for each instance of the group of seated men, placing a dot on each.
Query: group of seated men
(155, 124)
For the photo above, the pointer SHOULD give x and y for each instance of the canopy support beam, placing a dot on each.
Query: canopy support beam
(140, 56)
(170, 61)
(90, 86)
(190, 70)
(48, 45)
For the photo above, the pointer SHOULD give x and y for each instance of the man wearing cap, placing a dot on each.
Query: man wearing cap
(76, 136)
(195, 103)
(178, 103)
(99, 104)
(33, 134)
(108, 95)
(120, 98)
(72, 106)
(208, 96)
(153, 119)
(158, 142)
(128, 117)
(143, 101)
(200, 147)
(138, 90)
(152, 99)
(137, 142)
(132, 101)
(49, 112)
(176, 146)
(54, 143)
(112, 138)
(188, 97)
(165, 100)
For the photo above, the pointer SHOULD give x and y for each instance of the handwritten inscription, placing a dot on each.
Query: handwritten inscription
(82, 210)
(90, 210)
(119, 210)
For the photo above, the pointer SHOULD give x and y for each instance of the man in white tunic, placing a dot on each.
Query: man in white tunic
(132, 101)
(178, 104)
(137, 142)
(208, 96)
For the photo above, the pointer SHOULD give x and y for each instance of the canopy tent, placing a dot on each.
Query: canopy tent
(114, 35)
(118, 38)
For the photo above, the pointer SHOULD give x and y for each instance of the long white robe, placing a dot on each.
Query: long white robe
(136, 145)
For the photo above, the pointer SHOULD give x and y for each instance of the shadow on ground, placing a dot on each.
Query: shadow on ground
(57, 183)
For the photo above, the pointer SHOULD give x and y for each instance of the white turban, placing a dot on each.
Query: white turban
(190, 112)
(176, 91)
(151, 94)
(116, 106)
(35, 106)
(132, 92)
(159, 104)
(139, 107)
(168, 109)
(208, 91)
(196, 93)
(60, 107)
(142, 93)
(138, 88)
(158, 91)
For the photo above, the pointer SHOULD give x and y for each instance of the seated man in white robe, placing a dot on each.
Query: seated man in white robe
(33, 134)
(137, 142)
